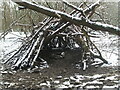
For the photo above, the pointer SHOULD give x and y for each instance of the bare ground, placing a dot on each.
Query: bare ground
(61, 73)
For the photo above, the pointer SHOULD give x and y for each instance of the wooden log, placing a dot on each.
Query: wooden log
(21, 59)
(66, 17)
(92, 7)
(38, 52)
(22, 47)
(79, 41)
(23, 25)
(28, 55)
(74, 7)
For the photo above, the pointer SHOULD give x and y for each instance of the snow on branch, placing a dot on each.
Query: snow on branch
(74, 20)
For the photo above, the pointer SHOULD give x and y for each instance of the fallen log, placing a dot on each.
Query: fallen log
(66, 17)
(65, 32)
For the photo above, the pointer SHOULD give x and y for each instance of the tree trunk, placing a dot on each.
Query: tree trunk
(66, 17)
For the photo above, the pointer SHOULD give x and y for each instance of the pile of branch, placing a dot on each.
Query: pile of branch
(60, 31)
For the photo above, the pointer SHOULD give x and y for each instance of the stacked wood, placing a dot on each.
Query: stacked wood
(60, 31)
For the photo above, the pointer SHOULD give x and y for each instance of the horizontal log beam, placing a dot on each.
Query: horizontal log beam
(75, 20)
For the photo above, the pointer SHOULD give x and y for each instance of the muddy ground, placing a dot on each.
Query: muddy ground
(62, 74)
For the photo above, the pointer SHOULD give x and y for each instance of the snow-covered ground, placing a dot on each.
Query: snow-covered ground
(107, 44)
(76, 82)
(11, 42)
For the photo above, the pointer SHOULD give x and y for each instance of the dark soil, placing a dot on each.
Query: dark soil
(60, 69)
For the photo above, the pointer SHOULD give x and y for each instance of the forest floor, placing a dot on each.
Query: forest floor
(59, 75)
(63, 73)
